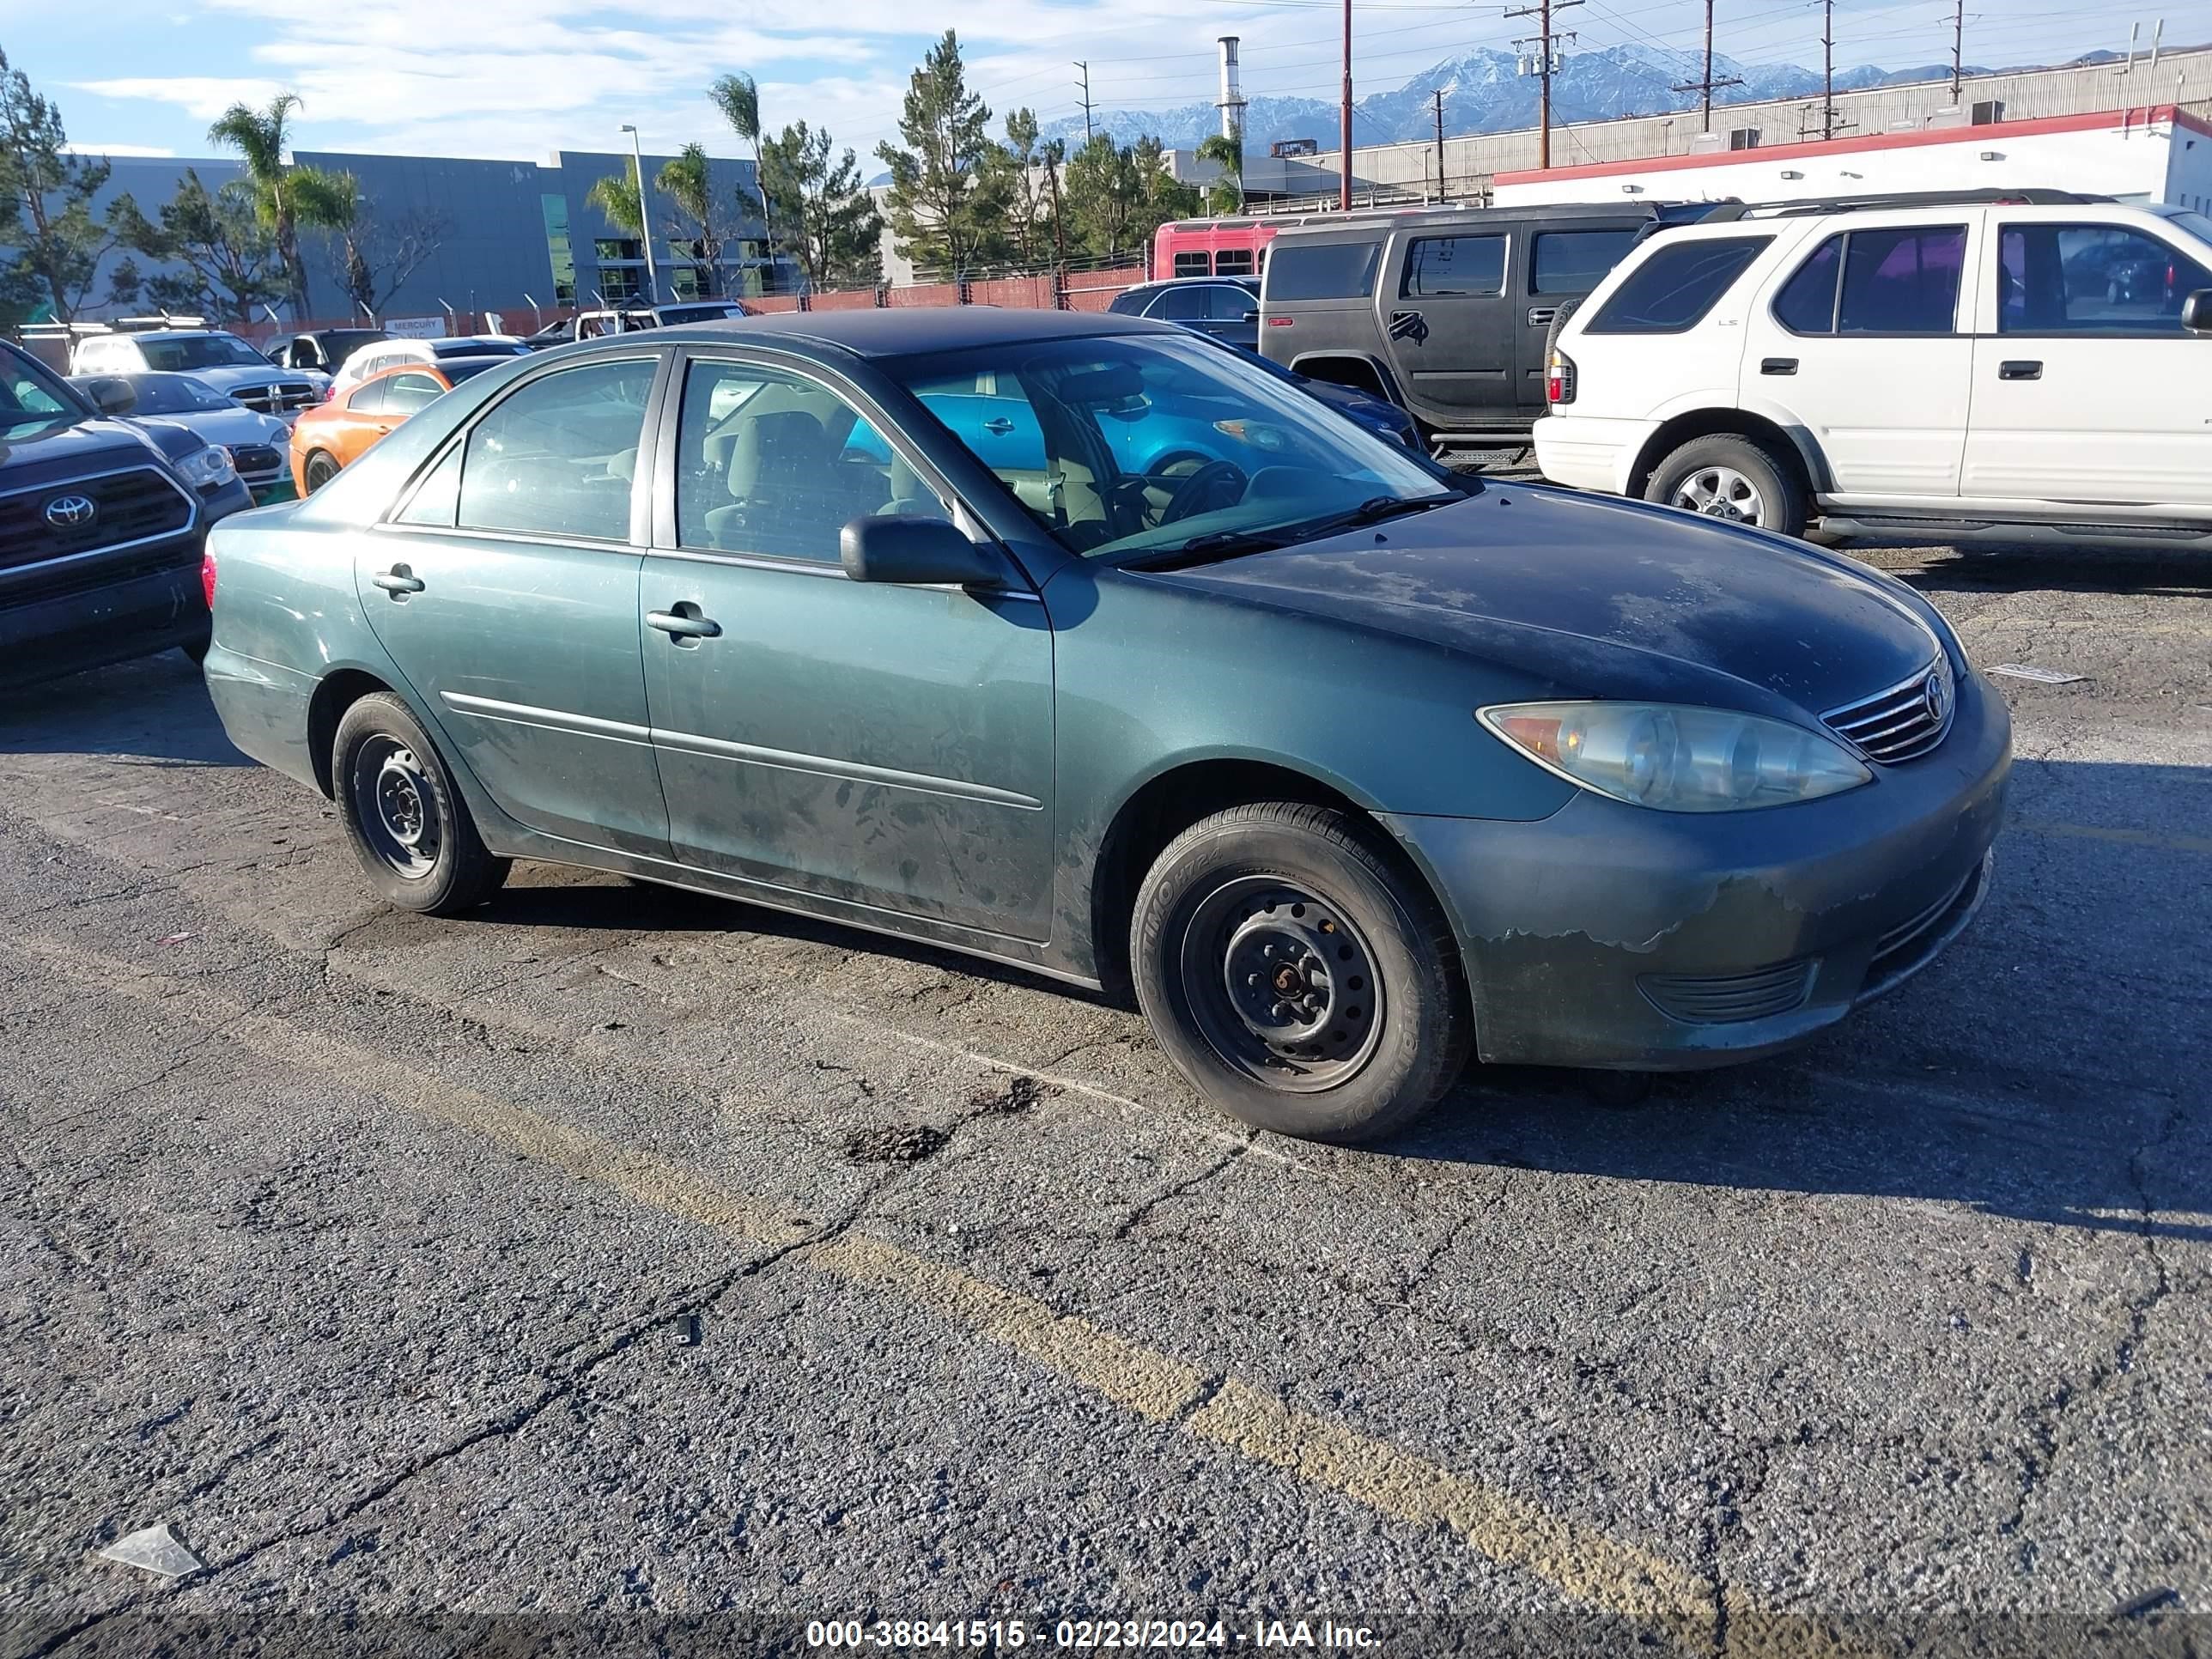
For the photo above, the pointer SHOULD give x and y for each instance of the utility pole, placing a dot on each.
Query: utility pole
(1437, 99)
(1706, 86)
(1084, 83)
(1828, 68)
(1958, 43)
(1344, 122)
(1547, 59)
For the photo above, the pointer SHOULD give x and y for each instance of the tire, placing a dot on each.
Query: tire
(320, 470)
(1745, 481)
(1278, 883)
(388, 774)
(1566, 309)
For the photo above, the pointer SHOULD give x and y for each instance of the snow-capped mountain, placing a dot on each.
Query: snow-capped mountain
(1484, 92)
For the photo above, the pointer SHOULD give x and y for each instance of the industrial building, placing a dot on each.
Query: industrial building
(503, 235)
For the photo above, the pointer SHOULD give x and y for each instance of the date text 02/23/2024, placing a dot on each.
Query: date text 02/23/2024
(1111, 1634)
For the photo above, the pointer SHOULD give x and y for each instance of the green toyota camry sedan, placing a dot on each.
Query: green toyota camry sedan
(1076, 643)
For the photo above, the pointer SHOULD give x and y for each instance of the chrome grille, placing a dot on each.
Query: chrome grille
(1717, 998)
(276, 399)
(1908, 719)
(130, 506)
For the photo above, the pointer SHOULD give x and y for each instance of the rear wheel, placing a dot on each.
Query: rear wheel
(408, 824)
(1732, 478)
(1298, 976)
(320, 470)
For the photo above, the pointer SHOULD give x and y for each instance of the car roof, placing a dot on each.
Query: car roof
(1470, 220)
(1237, 278)
(897, 331)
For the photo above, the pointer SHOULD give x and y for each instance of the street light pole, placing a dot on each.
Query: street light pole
(644, 219)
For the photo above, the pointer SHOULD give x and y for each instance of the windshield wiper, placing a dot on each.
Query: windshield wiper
(1376, 508)
(1210, 548)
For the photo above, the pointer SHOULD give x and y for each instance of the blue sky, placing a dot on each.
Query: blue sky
(502, 78)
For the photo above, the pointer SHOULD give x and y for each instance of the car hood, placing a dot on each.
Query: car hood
(33, 456)
(1593, 597)
(238, 377)
(228, 427)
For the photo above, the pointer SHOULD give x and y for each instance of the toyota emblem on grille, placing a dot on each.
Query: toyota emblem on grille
(72, 512)
(1937, 695)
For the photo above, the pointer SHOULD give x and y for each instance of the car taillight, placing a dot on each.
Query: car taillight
(1559, 377)
(207, 577)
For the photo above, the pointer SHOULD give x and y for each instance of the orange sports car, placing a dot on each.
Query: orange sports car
(335, 434)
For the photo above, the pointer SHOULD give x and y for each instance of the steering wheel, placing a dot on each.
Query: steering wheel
(1195, 494)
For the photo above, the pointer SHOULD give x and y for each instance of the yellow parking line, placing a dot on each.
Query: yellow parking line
(1581, 1562)
(2124, 837)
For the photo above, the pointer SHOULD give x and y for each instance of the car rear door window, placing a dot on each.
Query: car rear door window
(1437, 266)
(2091, 279)
(405, 393)
(556, 456)
(1322, 270)
(1576, 261)
(1676, 285)
(1888, 280)
(369, 398)
(1179, 304)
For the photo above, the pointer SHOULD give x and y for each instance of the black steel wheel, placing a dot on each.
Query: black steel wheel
(1300, 976)
(409, 826)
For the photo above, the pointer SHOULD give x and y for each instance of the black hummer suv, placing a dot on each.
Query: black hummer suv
(102, 522)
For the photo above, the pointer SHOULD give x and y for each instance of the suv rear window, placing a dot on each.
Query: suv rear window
(1322, 270)
(1674, 288)
(1575, 261)
(1437, 265)
(1895, 281)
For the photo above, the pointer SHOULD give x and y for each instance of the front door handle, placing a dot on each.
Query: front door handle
(998, 424)
(2019, 371)
(1777, 365)
(685, 623)
(399, 581)
(1542, 316)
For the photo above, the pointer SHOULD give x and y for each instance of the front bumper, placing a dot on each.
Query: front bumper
(1611, 936)
(1587, 451)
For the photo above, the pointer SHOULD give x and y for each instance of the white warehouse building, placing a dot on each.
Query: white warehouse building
(2155, 154)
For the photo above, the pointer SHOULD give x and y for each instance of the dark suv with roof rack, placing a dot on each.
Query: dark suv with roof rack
(102, 522)
(1447, 313)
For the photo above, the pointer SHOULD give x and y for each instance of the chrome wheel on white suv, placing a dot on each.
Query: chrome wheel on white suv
(1732, 478)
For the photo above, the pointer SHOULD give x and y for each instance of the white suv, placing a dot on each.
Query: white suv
(212, 355)
(2021, 366)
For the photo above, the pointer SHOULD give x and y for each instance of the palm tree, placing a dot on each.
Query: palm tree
(285, 197)
(738, 99)
(1227, 195)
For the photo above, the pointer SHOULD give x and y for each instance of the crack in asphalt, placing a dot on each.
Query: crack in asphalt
(1136, 1218)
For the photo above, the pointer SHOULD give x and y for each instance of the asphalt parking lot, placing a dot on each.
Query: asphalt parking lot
(662, 1271)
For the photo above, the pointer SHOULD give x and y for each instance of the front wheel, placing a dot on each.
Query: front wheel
(1734, 479)
(409, 825)
(1298, 976)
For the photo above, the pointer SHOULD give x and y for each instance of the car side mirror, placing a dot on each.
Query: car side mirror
(916, 551)
(2196, 311)
(111, 394)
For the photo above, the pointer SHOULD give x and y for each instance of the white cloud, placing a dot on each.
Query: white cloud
(201, 95)
(118, 149)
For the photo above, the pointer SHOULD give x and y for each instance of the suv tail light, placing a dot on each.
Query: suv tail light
(1559, 377)
(207, 577)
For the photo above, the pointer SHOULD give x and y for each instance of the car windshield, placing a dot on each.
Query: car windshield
(30, 399)
(170, 353)
(174, 394)
(1143, 445)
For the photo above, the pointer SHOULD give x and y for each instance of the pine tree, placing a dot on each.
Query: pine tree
(827, 214)
(45, 207)
(945, 214)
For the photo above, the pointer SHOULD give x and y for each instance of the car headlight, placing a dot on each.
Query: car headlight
(203, 468)
(1676, 757)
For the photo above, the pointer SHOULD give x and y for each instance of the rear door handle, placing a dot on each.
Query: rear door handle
(1408, 326)
(684, 622)
(1777, 365)
(397, 580)
(2019, 371)
(1542, 316)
